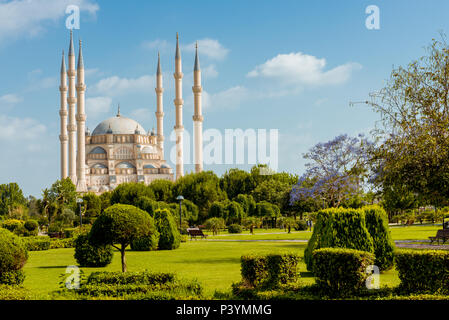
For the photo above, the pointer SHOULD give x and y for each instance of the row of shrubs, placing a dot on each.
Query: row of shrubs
(343, 272)
(137, 285)
(40, 243)
(21, 228)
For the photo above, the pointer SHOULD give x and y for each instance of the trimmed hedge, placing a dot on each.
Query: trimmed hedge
(301, 225)
(88, 255)
(377, 224)
(139, 285)
(13, 256)
(169, 236)
(269, 270)
(341, 272)
(423, 271)
(62, 243)
(339, 228)
(38, 243)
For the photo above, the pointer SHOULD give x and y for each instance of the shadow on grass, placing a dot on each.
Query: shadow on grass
(52, 267)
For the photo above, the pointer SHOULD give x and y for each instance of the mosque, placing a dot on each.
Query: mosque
(119, 149)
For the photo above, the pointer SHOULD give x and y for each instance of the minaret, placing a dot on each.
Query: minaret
(63, 115)
(179, 129)
(71, 100)
(81, 124)
(197, 116)
(159, 111)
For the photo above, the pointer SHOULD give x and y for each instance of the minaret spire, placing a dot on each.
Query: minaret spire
(197, 116)
(159, 107)
(81, 185)
(179, 128)
(63, 115)
(71, 100)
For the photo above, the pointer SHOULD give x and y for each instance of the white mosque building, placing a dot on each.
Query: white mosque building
(119, 149)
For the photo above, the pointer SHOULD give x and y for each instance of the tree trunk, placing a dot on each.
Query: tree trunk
(122, 251)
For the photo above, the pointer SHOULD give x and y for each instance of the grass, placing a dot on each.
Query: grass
(216, 264)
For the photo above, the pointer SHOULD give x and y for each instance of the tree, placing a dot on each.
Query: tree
(273, 191)
(414, 127)
(119, 225)
(337, 172)
(92, 205)
(248, 203)
(202, 189)
(130, 192)
(11, 197)
(215, 225)
(235, 182)
(163, 190)
(234, 212)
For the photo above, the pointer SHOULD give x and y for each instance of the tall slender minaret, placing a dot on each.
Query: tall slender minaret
(63, 115)
(179, 128)
(81, 124)
(71, 100)
(159, 112)
(197, 116)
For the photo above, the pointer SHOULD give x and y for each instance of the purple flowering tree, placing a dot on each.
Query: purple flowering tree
(337, 171)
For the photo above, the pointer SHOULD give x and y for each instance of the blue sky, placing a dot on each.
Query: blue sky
(287, 65)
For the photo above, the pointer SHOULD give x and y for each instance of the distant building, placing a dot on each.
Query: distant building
(119, 149)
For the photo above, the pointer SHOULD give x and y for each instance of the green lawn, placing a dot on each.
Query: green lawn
(216, 264)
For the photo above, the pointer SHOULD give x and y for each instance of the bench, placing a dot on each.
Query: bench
(196, 232)
(441, 234)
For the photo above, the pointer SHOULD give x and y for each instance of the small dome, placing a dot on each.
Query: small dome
(165, 166)
(149, 166)
(118, 125)
(125, 165)
(149, 149)
(98, 150)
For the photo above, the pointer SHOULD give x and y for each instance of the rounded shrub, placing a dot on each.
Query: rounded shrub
(15, 226)
(13, 256)
(235, 228)
(88, 255)
(169, 237)
(300, 225)
(31, 227)
(148, 242)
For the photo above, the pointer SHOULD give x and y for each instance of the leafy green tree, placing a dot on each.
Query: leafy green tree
(92, 205)
(11, 197)
(273, 191)
(235, 182)
(215, 225)
(130, 192)
(268, 211)
(414, 128)
(105, 199)
(202, 189)
(163, 190)
(247, 202)
(234, 213)
(120, 224)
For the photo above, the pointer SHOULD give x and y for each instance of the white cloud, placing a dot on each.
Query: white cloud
(115, 85)
(10, 99)
(25, 17)
(210, 48)
(209, 72)
(17, 129)
(300, 69)
(227, 99)
(98, 106)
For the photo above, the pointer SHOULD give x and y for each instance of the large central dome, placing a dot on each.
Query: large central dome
(118, 125)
